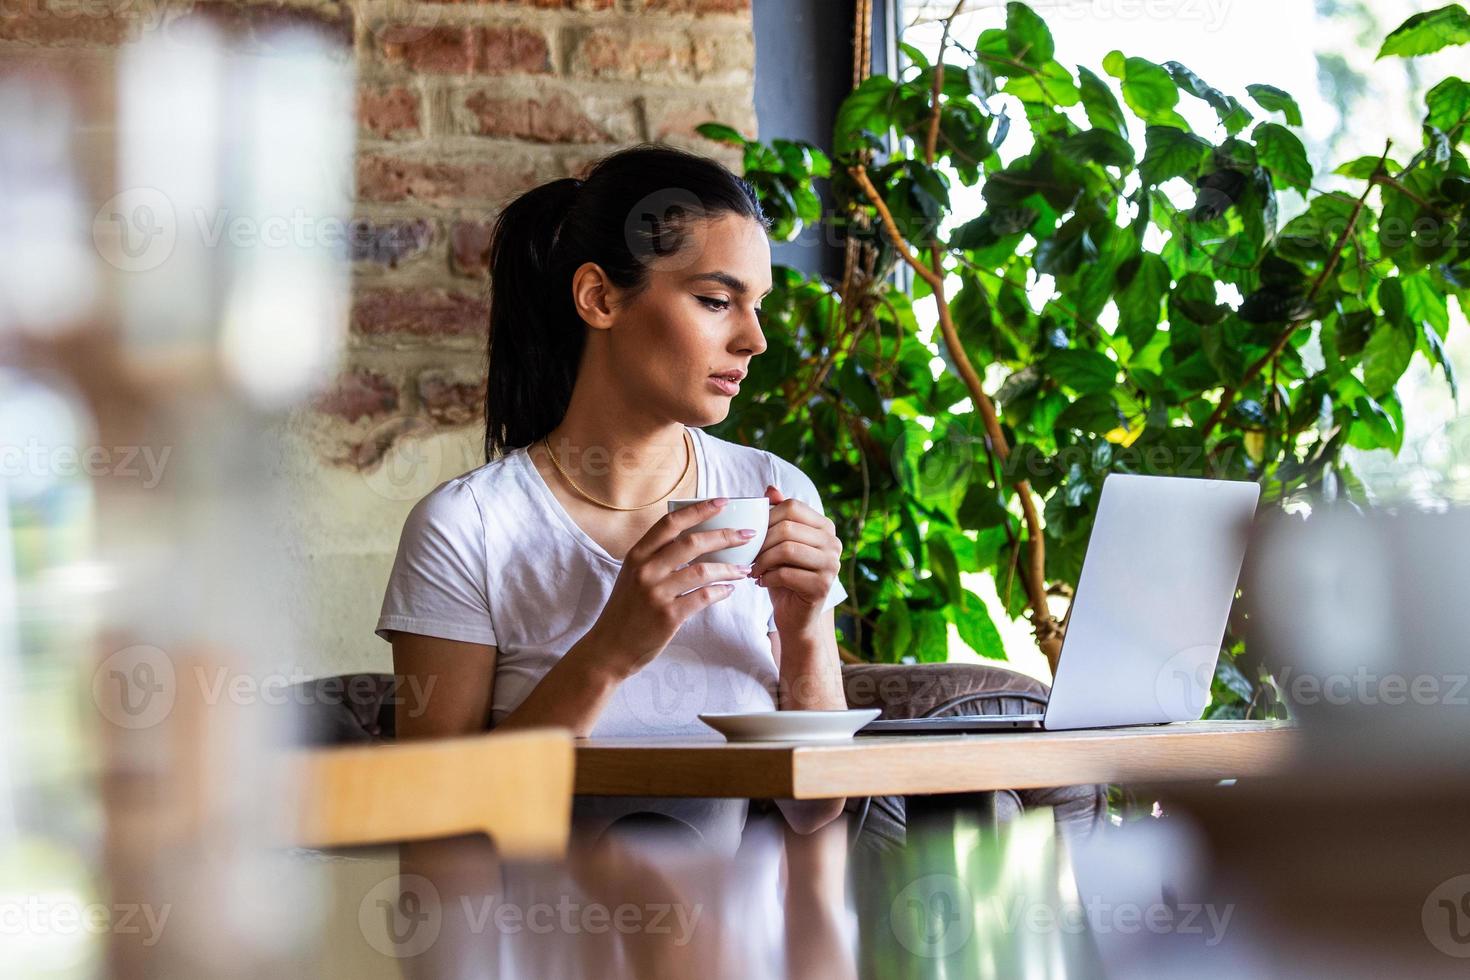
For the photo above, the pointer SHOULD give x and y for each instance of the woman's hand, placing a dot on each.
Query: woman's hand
(797, 564)
(646, 607)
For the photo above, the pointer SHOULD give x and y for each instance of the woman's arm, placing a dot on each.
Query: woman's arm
(572, 694)
(810, 676)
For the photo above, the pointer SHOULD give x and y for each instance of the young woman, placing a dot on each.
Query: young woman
(551, 586)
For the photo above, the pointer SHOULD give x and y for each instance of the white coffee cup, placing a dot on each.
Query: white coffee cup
(751, 512)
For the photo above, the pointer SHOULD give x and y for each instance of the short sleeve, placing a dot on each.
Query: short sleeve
(792, 482)
(438, 586)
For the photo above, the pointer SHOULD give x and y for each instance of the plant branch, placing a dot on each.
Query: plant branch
(1227, 397)
(1048, 633)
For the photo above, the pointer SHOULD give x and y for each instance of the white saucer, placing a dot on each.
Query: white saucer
(790, 726)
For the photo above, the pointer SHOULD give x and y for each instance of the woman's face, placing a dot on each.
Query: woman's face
(695, 319)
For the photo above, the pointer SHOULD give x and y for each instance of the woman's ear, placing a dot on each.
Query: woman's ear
(594, 296)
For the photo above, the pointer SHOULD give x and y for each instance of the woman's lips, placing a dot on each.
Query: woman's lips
(725, 386)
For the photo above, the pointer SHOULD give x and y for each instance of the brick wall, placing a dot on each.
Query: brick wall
(460, 106)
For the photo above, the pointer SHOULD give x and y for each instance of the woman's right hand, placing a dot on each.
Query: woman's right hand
(646, 607)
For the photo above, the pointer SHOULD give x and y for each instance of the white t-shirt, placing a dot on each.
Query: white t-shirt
(493, 557)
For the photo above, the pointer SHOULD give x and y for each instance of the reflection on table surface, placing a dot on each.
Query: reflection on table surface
(1027, 899)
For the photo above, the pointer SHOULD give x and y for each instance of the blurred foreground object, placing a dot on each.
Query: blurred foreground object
(206, 296)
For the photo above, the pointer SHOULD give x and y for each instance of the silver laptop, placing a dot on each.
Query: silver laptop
(1149, 614)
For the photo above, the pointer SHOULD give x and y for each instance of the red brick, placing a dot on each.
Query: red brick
(388, 112)
(358, 394)
(469, 50)
(389, 179)
(557, 118)
(41, 22)
(676, 119)
(542, 4)
(696, 6)
(365, 454)
(451, 399)
(420, 313)
(389, 242)
(724, 57)
(469, 248)
(642, 54)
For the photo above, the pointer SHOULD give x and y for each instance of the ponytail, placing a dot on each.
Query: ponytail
(536, 337)
(631, 208)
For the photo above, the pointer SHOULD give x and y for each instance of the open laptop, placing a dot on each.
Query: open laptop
(1149, 613)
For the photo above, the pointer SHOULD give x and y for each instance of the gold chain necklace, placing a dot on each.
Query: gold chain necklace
(688, 460)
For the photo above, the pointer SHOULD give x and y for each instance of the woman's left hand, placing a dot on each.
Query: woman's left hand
(797, 564)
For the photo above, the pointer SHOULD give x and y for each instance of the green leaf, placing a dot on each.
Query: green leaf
(945, 568)
(1140, 301)
(1147, 88)
(1273, 99)
(977, 629)
(858, 388)
(931, 636)
(916, 56)
(1171, 153)
(1365, 167)
(1423, 303)
(1029, 38)
(1387, 355)
(1065, 252)
(1054, 85)
(1084, 371)
(1195, 299)
(1099, 146)
(1282, 153)
(1373, 427)
(1428, 32)
(867, 107)
(1434, 346)
(1096, 413)
(1103, 111)
(721, 133)
(1233, 116)
(895, 631)
(1449, 104)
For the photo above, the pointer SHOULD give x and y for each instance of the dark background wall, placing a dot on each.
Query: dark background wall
(803, 70)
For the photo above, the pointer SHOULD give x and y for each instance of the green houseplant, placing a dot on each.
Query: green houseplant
(1127, 299)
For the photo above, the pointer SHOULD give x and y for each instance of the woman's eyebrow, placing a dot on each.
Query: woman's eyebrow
(725, 279)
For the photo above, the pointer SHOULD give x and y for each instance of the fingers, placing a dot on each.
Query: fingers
(687, 605)
(809, 584)
(670, 526)
(691, 544)
(702, 573)
(795, 544)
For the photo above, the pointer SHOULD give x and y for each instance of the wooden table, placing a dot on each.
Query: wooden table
(881, 765)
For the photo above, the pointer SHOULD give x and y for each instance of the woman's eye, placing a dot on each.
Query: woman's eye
(713, 303)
